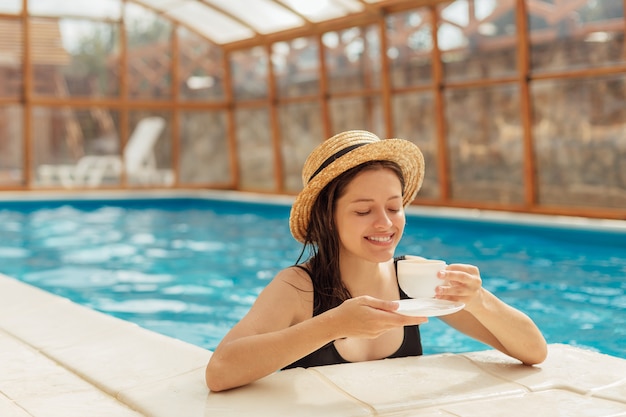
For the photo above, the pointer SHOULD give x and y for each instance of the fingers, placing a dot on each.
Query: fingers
(459, 274)
(379, 304)
(460, 281)
(383, 307)
(401, 319)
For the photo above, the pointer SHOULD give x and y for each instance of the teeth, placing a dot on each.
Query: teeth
(380, 238)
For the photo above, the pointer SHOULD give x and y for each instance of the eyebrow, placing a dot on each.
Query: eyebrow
(369, 200)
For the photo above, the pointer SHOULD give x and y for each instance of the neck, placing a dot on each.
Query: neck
(362, 277)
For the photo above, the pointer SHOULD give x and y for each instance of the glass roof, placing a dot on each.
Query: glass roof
(221, 21)
(227, 21)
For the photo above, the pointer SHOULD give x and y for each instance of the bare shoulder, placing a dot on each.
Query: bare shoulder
(285, 301)
(296, 278)
(296, 289)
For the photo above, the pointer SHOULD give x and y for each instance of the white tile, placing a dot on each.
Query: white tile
(566, 367)
(33, 385)
(615, 392)
(9, 409)
(393, 385)
(47, 321)
(19, 300)
(419, 412)
(296, 392)
(182, 395)
(26, 373)
(66, 325)
(548, 403)
(111, 353)
(129, 357)
(76, 404)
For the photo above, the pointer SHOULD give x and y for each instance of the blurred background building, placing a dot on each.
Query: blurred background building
(517, 104)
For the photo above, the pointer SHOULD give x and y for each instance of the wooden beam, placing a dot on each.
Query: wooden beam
(124, 116)
(27, 92)
(176, 116)
(324, 89)
(385, 80)
(231, 122)
(523, 71)
(279, 182)
(440, 119)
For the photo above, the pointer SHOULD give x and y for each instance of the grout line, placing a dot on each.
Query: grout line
(13, 402)
(70, 370)
(334, 386)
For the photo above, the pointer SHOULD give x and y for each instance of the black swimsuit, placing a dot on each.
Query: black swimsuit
(328, 354)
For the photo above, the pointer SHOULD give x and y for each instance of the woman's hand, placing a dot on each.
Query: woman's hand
(369, 317)
(462, 284)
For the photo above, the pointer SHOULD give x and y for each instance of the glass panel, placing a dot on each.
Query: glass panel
(201, 68)
(414, 120)
(301, 130)
(11, 55)
(579, 126)
(358, 113)
(250, 73)
(485, 145)
(73, 148)
(324, 10)
(296, 67)
(265, 16)
(62, 137)
(478, 39)
(410, 44)
(149, 54)
(11, 6)
(11, 145)
(75, 58)
(575, 34)
(353, 58)
(206, 21)
(255, 149)
(109, 9)
(204, 152)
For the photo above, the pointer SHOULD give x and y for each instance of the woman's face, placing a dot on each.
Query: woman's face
(369, 215)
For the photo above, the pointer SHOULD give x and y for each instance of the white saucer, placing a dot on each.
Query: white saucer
(428, 307)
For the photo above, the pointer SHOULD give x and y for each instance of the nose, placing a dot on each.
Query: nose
(382, 220)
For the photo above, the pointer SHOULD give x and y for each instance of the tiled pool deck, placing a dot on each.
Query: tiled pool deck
(59, 359)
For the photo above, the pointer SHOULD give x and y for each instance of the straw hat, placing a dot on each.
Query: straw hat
(347, 150)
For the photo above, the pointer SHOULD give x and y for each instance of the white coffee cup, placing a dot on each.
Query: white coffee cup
(418, 277)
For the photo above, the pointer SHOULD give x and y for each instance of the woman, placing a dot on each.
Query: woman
(339, 306)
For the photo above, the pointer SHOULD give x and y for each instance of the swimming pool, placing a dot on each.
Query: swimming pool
(191, 267)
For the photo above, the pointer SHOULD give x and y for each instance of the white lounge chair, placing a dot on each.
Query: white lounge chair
(137, 160)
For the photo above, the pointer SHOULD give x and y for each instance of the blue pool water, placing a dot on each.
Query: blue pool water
(191, 268)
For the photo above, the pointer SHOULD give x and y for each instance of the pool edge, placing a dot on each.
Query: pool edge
(107, 364)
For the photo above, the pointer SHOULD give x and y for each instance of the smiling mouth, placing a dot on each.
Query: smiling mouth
(380, 239)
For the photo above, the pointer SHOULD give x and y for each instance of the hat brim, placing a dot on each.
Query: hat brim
(403, 152)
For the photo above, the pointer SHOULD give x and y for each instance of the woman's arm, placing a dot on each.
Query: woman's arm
(270, 336)
(279, 329)
(488, 319)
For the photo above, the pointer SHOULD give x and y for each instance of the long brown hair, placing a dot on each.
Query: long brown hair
(322, 239)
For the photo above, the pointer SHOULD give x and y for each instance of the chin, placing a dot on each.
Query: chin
(381, 256)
